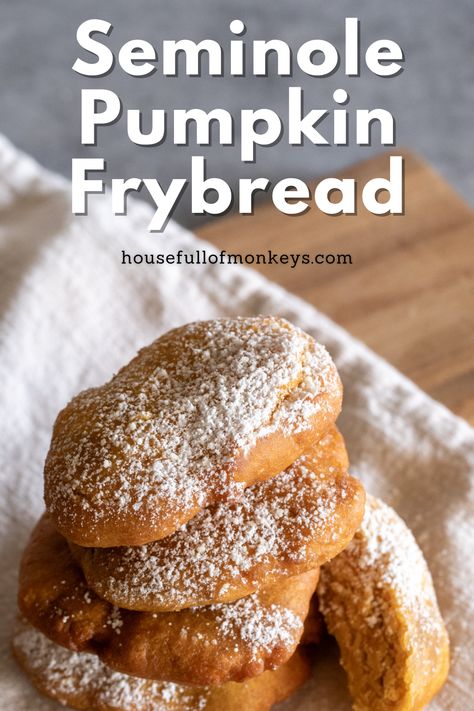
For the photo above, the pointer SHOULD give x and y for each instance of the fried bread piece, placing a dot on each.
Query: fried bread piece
(378, 600)
(202, 646)
(82, 681)
(282, 527)
(194, 418)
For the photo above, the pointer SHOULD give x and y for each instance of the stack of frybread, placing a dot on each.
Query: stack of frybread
(190, 504)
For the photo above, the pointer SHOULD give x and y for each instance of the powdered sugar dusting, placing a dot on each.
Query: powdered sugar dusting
(385, 555)
(261, 628)
(378, 600)
(168, 428)
(272, 529)
(67, 675)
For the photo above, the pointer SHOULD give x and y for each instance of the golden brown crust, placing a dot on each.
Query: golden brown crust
(295, 522)
(378, 600)
(82, 681)
(202, 412)
(209, 645)
(314, 625)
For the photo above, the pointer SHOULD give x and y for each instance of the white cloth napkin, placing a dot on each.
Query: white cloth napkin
(71, 314)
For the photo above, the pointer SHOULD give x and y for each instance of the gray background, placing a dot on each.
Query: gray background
(433, 99)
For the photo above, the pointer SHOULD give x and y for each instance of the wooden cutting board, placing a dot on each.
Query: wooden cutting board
(409, 292)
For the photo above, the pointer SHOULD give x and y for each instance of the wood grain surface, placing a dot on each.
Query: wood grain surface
(409, 292)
